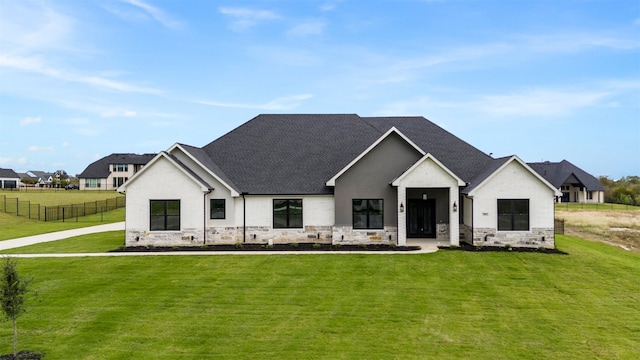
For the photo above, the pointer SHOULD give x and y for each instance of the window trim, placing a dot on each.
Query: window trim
(288, 214)
(224, 209)
(513, 215)
(165, 215)
(368, 226)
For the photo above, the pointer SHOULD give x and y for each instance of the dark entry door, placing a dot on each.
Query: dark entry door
(421, 218)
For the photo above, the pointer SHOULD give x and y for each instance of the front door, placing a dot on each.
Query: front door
(421, 218)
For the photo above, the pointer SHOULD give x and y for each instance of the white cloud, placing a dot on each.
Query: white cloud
(118, 113)
(36, 64)
(308, 28)
(246, 18)
(30, 120)
(10, 162)
(152, 11)
(65, 144)
(539, 102)
(37, 148)
(34, 26)
(281, 103)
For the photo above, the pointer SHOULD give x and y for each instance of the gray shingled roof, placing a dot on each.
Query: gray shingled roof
(8, 173)
(557, 173)
(100, 169)
(298, 153)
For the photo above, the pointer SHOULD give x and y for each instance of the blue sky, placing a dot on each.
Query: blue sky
(545, 80)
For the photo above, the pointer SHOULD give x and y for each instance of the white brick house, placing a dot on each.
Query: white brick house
(337, 179)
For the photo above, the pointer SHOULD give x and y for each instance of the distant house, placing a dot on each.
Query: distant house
(43, 179)
(575, 184)
(9, 179)
(341, 179)
(112, 171)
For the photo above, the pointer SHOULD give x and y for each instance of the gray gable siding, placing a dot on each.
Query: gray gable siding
(370, 178)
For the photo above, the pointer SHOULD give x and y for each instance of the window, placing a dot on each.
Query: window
(117, 181)
(92, 183)
(120, 167)
(590, 195)
(217, 209)
(367, 214)
(513, 214)
(165, 215)
(287, 213)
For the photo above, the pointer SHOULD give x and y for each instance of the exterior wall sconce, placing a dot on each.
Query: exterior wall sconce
(424, 196)
(401, 207)
(455, 207)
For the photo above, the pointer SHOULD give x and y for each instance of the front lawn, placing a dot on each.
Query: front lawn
(90, 243)
(19, 226)
(450, 304)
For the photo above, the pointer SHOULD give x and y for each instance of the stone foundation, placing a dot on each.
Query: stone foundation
(265, 235)
(230, 235)
(187, 237)
(346, 235)
(537, 237)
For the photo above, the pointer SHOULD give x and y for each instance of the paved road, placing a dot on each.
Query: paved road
(36, 239)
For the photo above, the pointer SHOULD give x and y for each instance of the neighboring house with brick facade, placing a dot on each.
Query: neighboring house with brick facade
(112, 171)
(575, 184)
(341, 179)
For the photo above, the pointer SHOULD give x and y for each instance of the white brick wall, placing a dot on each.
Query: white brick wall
(513, 182)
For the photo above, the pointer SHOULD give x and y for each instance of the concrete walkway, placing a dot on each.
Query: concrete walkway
(425, 247)
(59, 235)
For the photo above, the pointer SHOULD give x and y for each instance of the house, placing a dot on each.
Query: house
(575, 184)
(341, 179)
(9, 179)
(43, 178)
(112, 171)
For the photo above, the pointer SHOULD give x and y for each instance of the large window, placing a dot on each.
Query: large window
(217, 209)
(92, 183)
(513, 214)
(287, 213)
(165, 215)
(367, 214)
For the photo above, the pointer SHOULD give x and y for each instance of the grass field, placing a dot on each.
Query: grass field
(59, 196)
(12, 226)
(92, 243)
(619, 226)
(446, 305)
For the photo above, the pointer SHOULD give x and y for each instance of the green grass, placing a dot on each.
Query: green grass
(50, 197)
(92, 243)
(446, 305)
(18, 226)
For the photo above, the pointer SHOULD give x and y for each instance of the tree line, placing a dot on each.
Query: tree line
(624, 191)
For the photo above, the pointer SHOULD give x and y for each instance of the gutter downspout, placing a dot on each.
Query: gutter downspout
(244, 217)
(204, 216)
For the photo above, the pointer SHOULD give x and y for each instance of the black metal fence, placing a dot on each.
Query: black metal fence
(58, 212)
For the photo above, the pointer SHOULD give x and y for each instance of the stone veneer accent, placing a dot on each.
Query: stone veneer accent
(347, 235)
(187, 237)
(265, 234)
(537, 237)
(230, 235)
